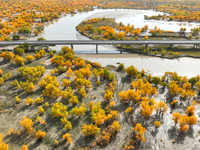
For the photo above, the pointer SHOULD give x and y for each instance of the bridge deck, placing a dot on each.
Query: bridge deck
(90, 42)
(93, 42)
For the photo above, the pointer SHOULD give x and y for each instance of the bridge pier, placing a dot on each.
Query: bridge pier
(96, 48)
(47, 47)
(121, 49)
(72, 46)
(195, 46)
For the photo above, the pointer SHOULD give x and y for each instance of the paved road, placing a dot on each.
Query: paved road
(91, 42)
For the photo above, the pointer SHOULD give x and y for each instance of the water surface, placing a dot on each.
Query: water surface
(156, 66)
(64, 29)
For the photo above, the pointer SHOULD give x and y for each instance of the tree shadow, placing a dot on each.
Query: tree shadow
(121, 107)
(179, 136)
(3, 63)
(83, 141)
(35, 145)
(154, 132)
(126, 79)
(21, 139)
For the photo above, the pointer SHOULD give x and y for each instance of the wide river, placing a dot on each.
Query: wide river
(64, 29)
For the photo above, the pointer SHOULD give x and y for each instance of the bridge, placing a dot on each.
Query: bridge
(93, 42)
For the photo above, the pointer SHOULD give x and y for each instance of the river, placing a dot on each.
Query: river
(64, 29)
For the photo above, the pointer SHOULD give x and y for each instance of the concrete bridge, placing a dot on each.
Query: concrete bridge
(92, 42)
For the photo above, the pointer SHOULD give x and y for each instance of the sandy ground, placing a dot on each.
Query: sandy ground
(159, 139)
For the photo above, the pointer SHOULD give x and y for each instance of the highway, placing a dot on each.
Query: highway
(93, 42)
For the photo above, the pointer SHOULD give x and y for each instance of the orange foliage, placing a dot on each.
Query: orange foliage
(140, 132)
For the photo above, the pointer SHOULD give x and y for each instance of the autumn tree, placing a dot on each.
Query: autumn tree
(29, 58)
(78, 111)
(98, 114)
(183, 123)
(66, 82)
(51, 91)
(40, 135)
(192, 120)
(27, 123)
(57, 60)
(146, 110)
(108, 95)
(176, 117)
(190, 110)
(67, 124)
(157, 124)
(7, 56)
(3, 146)
(131, 71)
(161, 108)
(59, 110)
(67, 137)
(24, 147)
(79, 62)
(90, 130)
(156, 80)
(139, 132)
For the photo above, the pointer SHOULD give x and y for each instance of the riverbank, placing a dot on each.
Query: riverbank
(153, 65)
(108, 29)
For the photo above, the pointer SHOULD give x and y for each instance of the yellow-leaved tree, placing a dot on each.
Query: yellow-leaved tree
(90, 130)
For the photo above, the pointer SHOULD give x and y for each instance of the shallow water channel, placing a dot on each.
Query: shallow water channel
(64, 29)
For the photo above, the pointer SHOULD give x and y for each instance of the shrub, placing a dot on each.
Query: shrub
(90, 130)
(29, 58)
(18, 50)
(190, 36)
(120, 67)
(59, 110)
(51, 91)
(39, 100)
(3, 146)
(40, 110)
(1, 80)
(157, 124)
(57, 60)
(7, 39)
(19, 60)
(131, 71)
(163, 52)
(27, 124)
(97, 83)
(29, 101)
(41, 39)
(79, 62)
(7, 56)
(24, 147)
(140, 132)
(17, 99)
(40, 54)
(16, 37)
(1, 72)
(67, 137)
